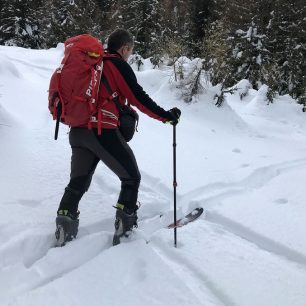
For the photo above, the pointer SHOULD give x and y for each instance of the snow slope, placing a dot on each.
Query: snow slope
(244, 163)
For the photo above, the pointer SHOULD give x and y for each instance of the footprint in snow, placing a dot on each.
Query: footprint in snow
(236, 150)
(244, 165)
(281, 201)
(29, 203)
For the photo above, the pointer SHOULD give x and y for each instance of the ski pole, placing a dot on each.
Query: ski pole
(174, 182)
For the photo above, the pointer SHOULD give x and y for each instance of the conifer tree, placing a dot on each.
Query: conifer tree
(248, 55)
(19, 25)
(216, 51)
(73, 17)
(287, 47)
(201, 13)
(142, 19)
(176, 20)
(244, 44)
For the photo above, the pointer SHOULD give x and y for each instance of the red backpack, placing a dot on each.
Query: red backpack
(75, 84)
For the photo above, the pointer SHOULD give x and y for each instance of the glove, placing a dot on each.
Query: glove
(174, 115)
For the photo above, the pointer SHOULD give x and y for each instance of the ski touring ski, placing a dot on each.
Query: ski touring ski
(192, 216)
(62, 239)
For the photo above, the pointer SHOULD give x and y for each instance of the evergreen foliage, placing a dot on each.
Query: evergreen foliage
(19, 23)
(141, 19)
(73, 17)
(263, 41)
(287, 46)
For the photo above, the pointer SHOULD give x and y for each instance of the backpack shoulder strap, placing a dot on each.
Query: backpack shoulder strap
(114, 95)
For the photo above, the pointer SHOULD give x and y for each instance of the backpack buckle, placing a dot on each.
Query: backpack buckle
(99, 67)
(60, 68)
(115, 95)
(93, 119)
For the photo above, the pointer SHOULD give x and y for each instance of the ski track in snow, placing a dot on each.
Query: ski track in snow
(38, 274)
(261, 241)
(34, 252)
(101, 248)
(188, 273)
(256, 180)
(43, 250)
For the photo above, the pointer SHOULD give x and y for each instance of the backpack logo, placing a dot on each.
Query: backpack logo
(93, 83)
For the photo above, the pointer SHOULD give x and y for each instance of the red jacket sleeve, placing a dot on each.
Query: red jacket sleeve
(128, 87)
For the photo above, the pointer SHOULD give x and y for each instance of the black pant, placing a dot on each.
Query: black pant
(88, 148)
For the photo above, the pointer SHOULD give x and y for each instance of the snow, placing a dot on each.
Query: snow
(244, 163)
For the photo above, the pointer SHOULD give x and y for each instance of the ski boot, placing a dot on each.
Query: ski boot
(67, 225)
(126, 220)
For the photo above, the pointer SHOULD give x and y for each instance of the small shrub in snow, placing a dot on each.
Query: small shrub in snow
(189, 77)
(243, 88)
(220, 97)
(270, 95)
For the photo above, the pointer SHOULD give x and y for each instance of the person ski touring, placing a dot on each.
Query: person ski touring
(104, 141)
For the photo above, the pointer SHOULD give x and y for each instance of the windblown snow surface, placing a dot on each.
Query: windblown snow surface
(244, 163)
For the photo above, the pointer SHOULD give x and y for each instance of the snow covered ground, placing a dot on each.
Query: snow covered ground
(244, 163)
